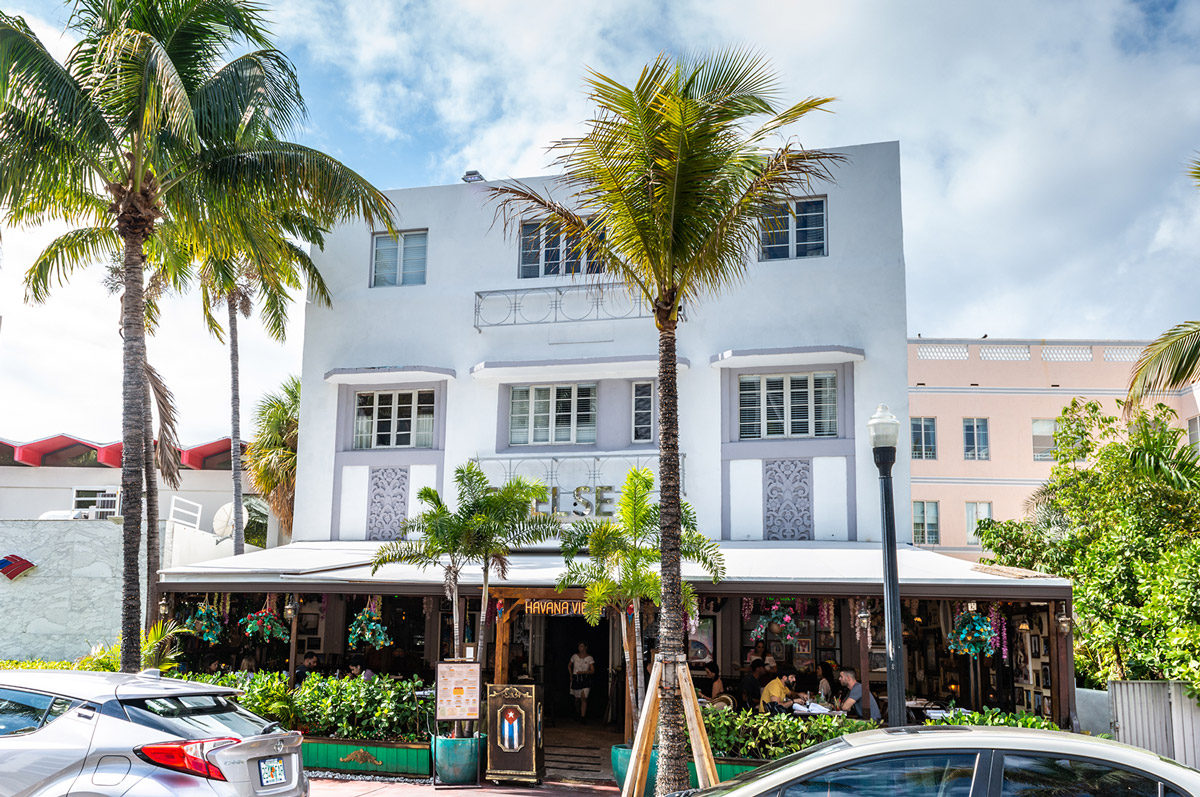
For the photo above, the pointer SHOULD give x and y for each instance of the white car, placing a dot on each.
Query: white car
(97, 734)
(959, 761)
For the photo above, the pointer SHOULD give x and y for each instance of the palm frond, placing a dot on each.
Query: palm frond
(271, 454)
(69, 251)
(1170, 362)
(167, 454)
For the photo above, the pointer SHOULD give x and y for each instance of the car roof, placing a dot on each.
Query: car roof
(100, 686)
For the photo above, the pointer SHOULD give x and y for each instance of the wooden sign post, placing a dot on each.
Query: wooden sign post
(673, 671)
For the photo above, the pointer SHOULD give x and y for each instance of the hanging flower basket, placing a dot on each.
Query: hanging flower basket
(368, 628)
(972, 635)
(205, 623)
(264, 624)
(779, 620)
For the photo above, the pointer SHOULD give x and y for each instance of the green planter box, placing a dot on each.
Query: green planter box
(727, 769)
(350, 755)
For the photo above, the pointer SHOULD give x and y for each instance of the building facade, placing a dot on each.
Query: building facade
(983, 418)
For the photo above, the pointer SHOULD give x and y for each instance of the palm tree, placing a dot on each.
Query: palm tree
(619, 570)
(668, 188)
(271, 454)
(138, 128)
(1170, 362)
(484, 528)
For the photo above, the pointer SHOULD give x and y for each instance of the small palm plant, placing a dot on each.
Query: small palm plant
(271, 455)
(620, 572)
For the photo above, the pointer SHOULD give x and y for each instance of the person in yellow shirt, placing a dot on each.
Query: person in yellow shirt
(780, 690)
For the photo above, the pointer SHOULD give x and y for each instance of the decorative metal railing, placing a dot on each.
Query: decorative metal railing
(552, 304)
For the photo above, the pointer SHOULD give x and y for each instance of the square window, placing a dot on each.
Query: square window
(1043, 439)
(787, 405)
(394, 419)
(552, 414)
(793, 230)
(548, 252)
(399, 260)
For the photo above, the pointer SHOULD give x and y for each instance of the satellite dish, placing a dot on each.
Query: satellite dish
(223, 521)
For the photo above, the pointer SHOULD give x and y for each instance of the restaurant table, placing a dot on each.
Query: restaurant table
(801, 710)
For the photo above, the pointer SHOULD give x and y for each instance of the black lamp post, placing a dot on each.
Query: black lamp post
(884, 431)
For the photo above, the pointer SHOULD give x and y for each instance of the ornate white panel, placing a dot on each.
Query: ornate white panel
(787, 499)
(387, 506)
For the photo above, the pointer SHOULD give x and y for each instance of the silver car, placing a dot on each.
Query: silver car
(99, 734)
(957, 761)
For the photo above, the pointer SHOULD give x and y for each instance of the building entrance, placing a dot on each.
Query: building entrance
(563, 635)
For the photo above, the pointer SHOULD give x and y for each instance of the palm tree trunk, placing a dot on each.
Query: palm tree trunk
(456, 620)
(153, 540)
(638, 646)
(630, 676)
(672, 767)
(235, 428)
(133, 410)
(480, 635)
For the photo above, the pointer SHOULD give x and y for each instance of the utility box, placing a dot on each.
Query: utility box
(514, 747)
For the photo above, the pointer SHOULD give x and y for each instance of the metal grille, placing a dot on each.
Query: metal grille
(941, 351)
(1067, 354)
(597, 301)
(1121, 354)
(1012, 353)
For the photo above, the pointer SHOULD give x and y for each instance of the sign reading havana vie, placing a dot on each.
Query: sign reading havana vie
(554, 607)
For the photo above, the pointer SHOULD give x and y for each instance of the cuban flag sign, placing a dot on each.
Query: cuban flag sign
(13, 566)
(512, 728)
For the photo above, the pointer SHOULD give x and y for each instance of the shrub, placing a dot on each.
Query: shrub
(34, 664)
(741, 734)
(994, 716)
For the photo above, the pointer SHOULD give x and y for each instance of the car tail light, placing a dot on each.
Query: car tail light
(189, 756)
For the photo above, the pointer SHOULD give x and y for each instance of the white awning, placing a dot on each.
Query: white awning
(787, 357)
(752, 568)
(388, 375)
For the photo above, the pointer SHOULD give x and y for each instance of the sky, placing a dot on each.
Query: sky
(1044, 148)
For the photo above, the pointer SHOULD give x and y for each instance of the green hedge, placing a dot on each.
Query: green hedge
(381, 709)
(994, 716)
(36, 664)
(742, 734)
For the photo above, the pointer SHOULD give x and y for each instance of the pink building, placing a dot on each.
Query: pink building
(982, 415)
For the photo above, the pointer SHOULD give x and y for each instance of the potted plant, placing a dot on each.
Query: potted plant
(618, 574)
(485, 524)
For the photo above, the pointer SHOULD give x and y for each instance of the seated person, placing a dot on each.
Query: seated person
(358, 669)
(759, 651)
(854, 691)
(717, 687)
(781, 690)
(750, 689)
(308, 664)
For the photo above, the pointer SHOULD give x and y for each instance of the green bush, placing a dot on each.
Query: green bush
(35, 664)
(741, 734)
(381, 709)
(994, 716)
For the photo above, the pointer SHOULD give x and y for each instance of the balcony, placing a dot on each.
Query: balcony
(554, 304)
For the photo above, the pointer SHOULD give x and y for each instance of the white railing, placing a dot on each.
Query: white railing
(942, 351)
(1067, 354)
(1007, 353)
(552, 304)
(1121, 354)
(571, 476)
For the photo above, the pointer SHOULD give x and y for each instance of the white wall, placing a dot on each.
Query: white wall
(854, 298)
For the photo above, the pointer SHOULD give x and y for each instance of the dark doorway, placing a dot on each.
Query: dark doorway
(563, 635)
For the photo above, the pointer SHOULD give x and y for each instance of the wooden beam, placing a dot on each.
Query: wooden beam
(643, 740)
(537, 593)
(292, 642)
(706, 767)
(503, 635)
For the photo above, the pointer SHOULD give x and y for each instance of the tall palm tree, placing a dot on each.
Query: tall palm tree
(668, 187)
(1170, 362)
(271, 454)
(134, 130)
(619, 570)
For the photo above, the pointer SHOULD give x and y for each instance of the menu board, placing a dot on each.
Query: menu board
(458, 690)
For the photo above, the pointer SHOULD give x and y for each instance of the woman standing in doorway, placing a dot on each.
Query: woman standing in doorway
(581, 667)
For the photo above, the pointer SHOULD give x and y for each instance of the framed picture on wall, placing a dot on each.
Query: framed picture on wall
(805, 627)
(1035, 646)
(1037, 703)
(701, 645)
(1046, 646)
(1045, 676)
(827, 639)
(775, 649)
(804, 647)
(877, 660)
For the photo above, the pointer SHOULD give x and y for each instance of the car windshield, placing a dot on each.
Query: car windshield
(195, 716)
(754, 775)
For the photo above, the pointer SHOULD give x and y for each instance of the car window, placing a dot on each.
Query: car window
(807, 755)
(1036, 776)
(22, 712)
(195, 716)
(914, 775)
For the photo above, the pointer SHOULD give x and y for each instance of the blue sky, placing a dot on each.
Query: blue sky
(1044, 152)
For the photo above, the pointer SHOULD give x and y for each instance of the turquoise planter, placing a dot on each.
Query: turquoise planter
(457, 760)
(621, 754)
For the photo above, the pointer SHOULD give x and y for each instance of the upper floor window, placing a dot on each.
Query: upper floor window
(791, 405)
(1194, 433)
(924, 438)
(975, 439)
(976, 511)
(546, 252)
(394, 419)
(643, 412)
(101, 500)
(926, 529)
(552, 414)
(400, 260)
(1043, 439)
(794, 230)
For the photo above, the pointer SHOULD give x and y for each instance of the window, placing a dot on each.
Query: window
(101, 500)
(925, 523)
(924, 438)
(546, 252)
(975, 438)
(976, 511)
(22, 712)
(1028, 775)
(552, 414)
(643, 412)
(1043, 439)
(795, 405)
(919, 775)
(794, 230)
(399, 261)
(394, 419)
(1194, 433)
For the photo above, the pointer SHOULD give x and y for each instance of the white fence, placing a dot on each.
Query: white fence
(1159, 716)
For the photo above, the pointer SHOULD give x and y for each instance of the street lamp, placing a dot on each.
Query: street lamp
(884, 431)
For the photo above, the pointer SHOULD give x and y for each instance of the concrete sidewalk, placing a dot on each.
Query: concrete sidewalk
(359, 788)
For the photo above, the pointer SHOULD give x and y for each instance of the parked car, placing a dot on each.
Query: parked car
(99, 734)
(957, 761)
